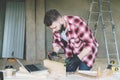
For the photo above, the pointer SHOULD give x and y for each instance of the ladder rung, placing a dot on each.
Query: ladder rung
(94, 12)
(107, 21)
(93, 22)
(111, 43)
(94, 2)
(106, 11)
(93, 31)
(106, 1)
(111, 54)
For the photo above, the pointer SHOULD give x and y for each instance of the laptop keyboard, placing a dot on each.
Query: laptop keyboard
(31, 68)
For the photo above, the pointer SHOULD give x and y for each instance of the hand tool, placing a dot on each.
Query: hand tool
(54, 56)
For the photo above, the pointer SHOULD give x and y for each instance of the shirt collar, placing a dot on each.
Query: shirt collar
(67, 22)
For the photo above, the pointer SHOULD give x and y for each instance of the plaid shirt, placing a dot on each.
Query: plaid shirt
(79, 37)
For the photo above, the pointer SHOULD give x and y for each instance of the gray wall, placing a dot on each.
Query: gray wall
(81, 8)
(35, 30)
(2, 13)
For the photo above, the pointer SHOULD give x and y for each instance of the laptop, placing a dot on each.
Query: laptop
(32, 67)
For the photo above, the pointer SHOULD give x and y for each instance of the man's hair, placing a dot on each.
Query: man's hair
(51, 16)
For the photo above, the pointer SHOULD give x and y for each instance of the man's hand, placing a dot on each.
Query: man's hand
(56, 49)
(52, 55)
(72, 63)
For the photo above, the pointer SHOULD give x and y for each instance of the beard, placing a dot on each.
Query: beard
(62, 28)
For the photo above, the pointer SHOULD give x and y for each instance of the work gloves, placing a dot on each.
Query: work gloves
(52, 55)
(72, 63)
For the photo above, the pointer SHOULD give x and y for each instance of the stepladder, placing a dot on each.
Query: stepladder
(100, 12)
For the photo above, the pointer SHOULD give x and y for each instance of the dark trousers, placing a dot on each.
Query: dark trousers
(82, 66)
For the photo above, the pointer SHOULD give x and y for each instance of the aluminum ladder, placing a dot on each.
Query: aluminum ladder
(104, 15)
(108, 23)
(93, 18)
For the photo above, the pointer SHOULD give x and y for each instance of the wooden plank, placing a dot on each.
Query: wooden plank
(88, 74)
(55, 67)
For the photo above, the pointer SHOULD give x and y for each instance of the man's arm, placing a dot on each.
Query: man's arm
(54, 53)
(87, 37)
(55, 44)
(83, 53)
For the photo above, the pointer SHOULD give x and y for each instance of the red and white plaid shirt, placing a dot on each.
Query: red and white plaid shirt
(79, 37)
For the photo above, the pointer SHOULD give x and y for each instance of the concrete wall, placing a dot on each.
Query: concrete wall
(40, 29)
(81, 8)
(30, 30)
(35, 30)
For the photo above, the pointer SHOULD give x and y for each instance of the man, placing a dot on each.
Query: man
(72, 34)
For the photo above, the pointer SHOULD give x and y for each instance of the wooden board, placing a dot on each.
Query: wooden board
(55, 67)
